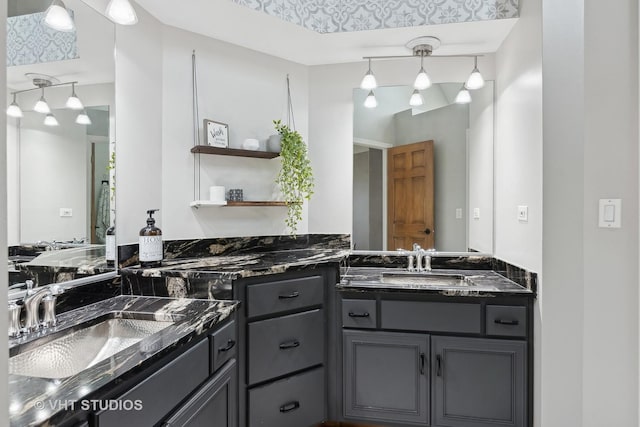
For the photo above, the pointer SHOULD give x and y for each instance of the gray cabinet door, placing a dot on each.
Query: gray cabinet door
(386, 377)
(213, 405)
(478, 382)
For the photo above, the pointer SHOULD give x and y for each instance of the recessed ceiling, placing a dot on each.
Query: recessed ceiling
(224, 20)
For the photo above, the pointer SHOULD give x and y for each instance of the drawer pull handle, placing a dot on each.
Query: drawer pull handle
(438, 365)
(290, 296)
(230, 345)
(287, 407)
(506, 322)
(290, 344)
(422, 363)
(365, 314)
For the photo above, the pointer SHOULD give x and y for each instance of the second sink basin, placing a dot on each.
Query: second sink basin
(79, 349)
(425, 280)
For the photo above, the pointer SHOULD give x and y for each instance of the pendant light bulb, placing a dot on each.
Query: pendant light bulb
(83, 118)
(51, 120)
(122, 12)
(463, 97)
(41, 106)
(74, 103)
(369, 80)
(416, 99)
(14, 109)
(58, 17)
(371, 101)
(475, 80)
(422, 81)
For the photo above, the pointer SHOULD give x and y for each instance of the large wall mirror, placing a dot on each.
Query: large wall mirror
(440, 196)
(60, 166)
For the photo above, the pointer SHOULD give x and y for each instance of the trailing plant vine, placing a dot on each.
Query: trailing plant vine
(296, 175)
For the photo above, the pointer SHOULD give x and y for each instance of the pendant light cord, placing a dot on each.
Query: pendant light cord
(290, 119)
(196, 129)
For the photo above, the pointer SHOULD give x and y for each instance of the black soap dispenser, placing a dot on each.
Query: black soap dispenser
(150, 250)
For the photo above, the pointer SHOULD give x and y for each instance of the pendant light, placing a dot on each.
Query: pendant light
(463, 97)
(422, 81)
(58, 17)
(83, 118)
(51, 120)
(416, 99)
(74, 103)
(371, 101)
(14, 110)
(42, 106)
(122, 12)
(369, 80)
(475, 80)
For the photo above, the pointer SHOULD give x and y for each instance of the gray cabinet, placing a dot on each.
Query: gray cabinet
(478, 382)
(213, 405)
(386, 376)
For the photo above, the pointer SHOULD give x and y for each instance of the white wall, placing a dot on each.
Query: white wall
(246, 90)
(480, 141)
(361, 221)
(139, 125)
(331, 126)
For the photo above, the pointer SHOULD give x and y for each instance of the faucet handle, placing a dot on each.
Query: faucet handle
(29, 284)
(14, 319)
(49, 303)
(416, 247)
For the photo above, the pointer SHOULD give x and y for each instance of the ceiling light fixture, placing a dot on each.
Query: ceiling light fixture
(416, 99)
(42, 106)
(463, 96)
(122, 12)
(83, 118)
(42, 81)
(475, 80)
(51, 120)
(14, 110)
(424, 47)
(369, 80)
(74, 103)
(58, 17)
(371, 101)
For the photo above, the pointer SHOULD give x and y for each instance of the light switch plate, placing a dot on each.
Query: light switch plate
(66, 212)
(476, 213)
(523, 213)
(458, 213)
(610, 213)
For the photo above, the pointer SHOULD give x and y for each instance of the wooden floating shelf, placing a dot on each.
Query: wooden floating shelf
(207, 203)
(256, 203)
(207, 149)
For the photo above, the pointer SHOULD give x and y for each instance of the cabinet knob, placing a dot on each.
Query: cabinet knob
(287, 407)
(290, 344)
(230, 345)
(365, 314)
(289, 296)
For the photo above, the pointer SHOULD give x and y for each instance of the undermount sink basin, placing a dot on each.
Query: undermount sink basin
(425, 280)
(79, 349)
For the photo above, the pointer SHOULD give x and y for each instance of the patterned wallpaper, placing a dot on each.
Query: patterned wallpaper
(29, 41)
(330, 16)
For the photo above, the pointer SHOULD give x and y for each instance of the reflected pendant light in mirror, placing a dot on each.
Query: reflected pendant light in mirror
(416, 99)
(58, 17)
(83, 118)
(122, 12)
(51, 120)
(371, 101)
(463, 97)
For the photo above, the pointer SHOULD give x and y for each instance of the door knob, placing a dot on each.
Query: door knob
(427, 231)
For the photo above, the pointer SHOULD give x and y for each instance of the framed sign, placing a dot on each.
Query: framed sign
(217, 133)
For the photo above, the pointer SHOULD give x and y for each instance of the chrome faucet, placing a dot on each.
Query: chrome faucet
(423, 259)
(14, 319)
(45, 295)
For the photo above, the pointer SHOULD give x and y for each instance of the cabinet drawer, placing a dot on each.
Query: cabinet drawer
(431, 316)
(296, 401)
(506, 320)
(359, 313)
(181, 376)
(276, 297)
(285, 344)
(223, 344)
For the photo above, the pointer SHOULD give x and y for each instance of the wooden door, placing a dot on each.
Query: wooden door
(410, 196)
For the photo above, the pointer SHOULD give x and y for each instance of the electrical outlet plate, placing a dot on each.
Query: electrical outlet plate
(458, 213)
(66, 212)
(476, 213)
(610, 213)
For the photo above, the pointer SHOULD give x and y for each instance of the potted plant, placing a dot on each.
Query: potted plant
(296, 176)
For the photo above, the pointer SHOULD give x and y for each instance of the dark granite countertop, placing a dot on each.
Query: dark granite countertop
(481, 283)
(232, 267)
(34, 400)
